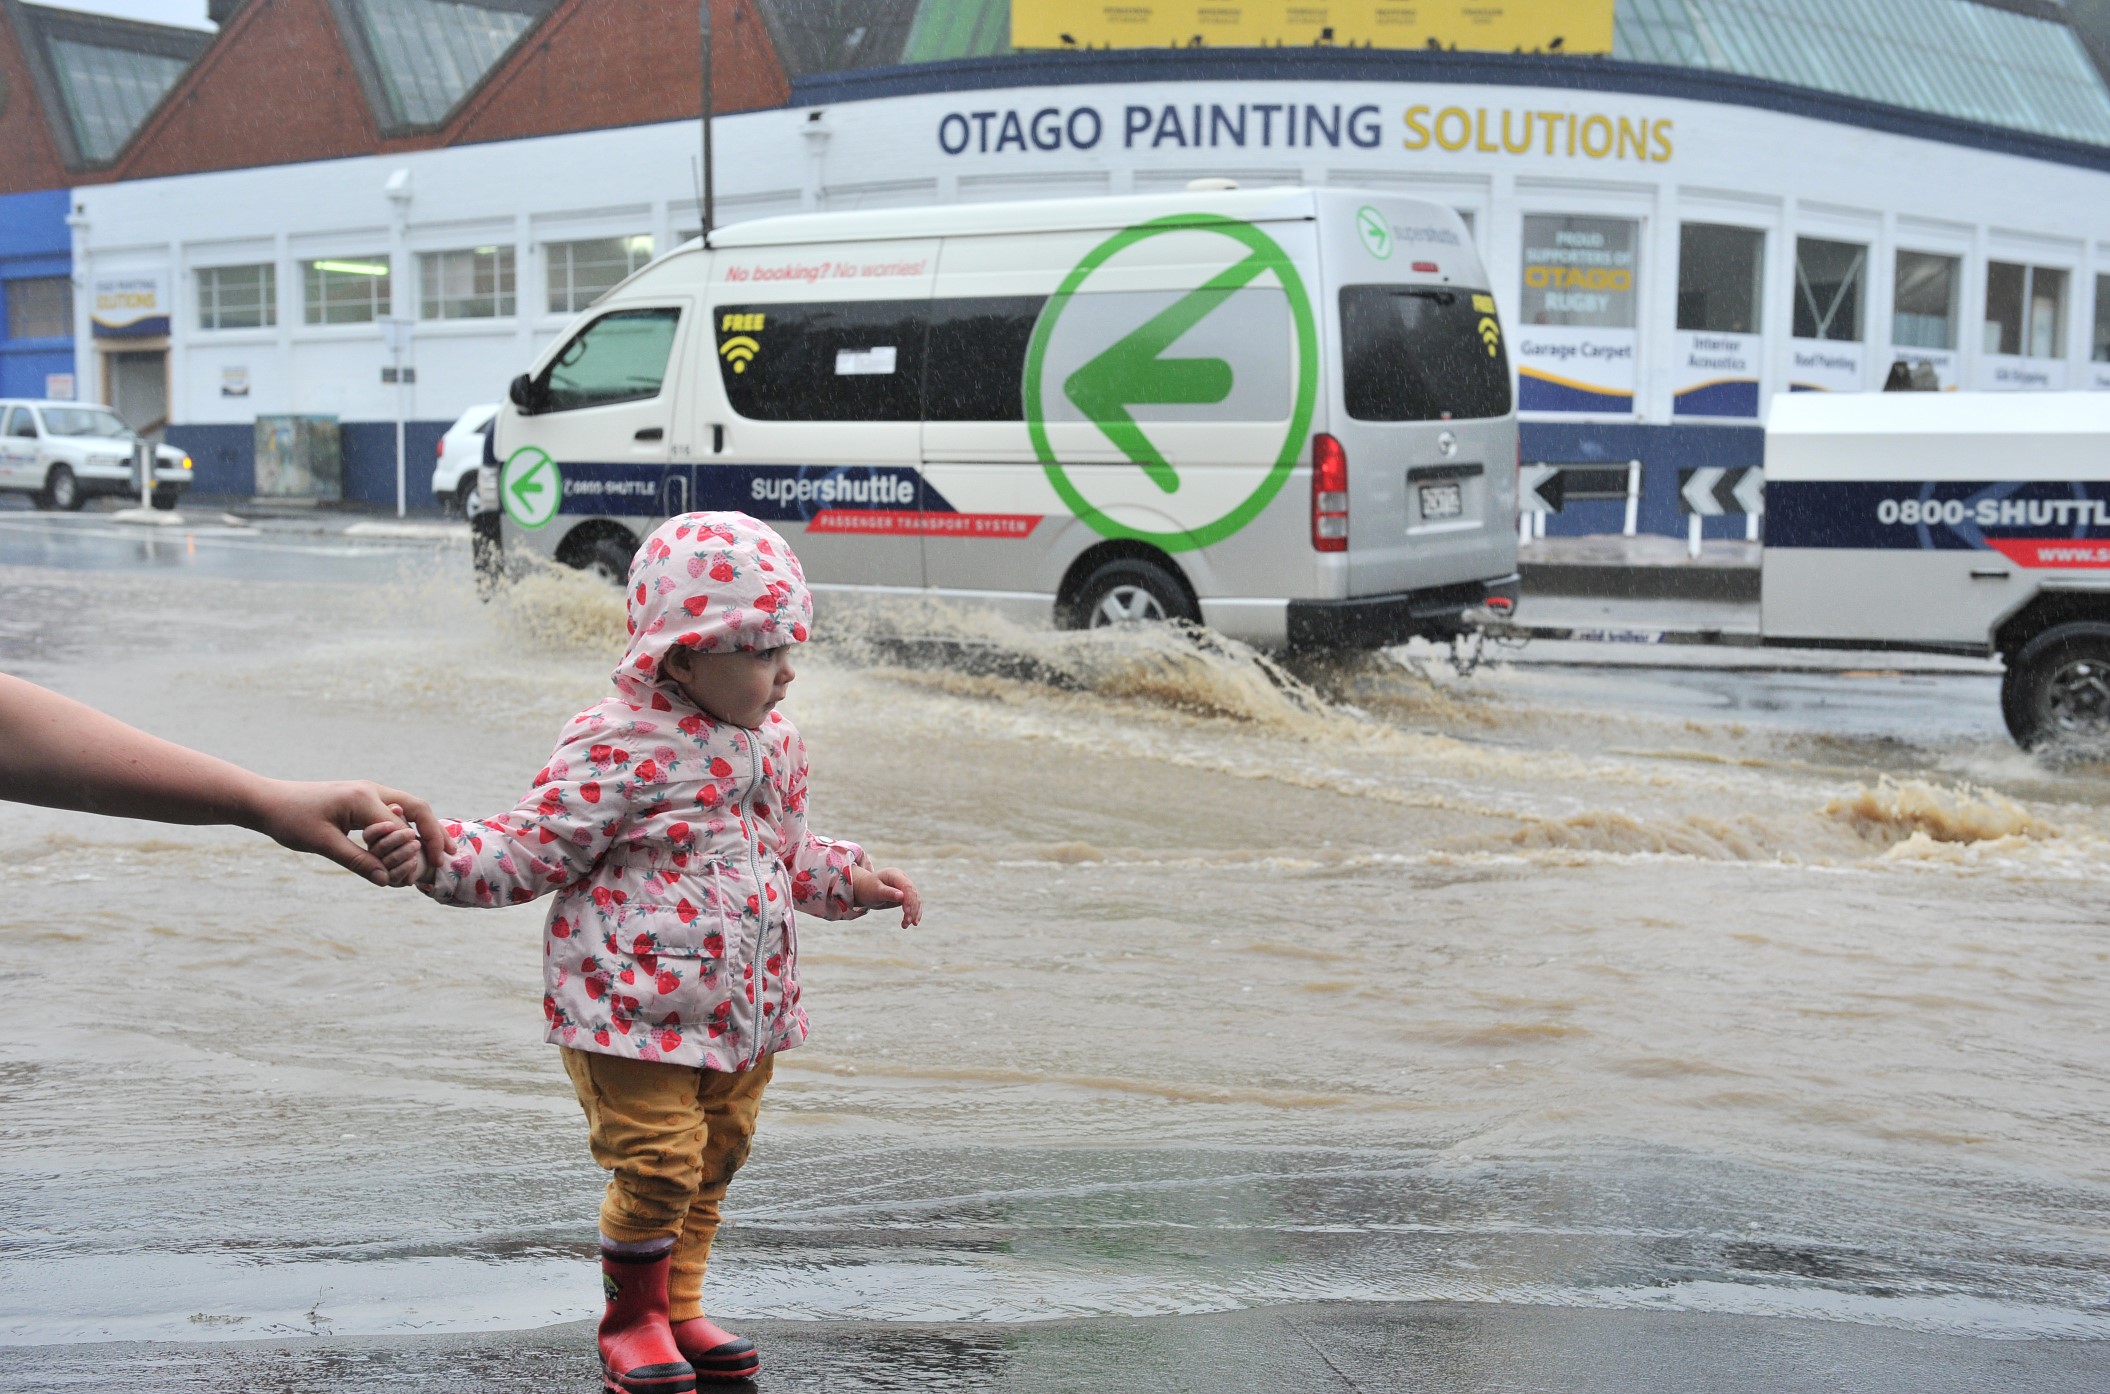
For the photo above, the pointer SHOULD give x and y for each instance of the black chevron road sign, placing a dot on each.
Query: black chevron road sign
(1712, 492)
(1540, 489)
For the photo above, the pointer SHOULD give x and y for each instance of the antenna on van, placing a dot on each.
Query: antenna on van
(703, 21)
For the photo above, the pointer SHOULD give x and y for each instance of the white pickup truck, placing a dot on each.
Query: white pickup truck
(62, 453)
(1972, 522)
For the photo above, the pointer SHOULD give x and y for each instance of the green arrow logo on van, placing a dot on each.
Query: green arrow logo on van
(1133, 371)
(531, 486)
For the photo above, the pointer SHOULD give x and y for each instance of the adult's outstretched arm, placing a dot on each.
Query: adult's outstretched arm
(61, 754)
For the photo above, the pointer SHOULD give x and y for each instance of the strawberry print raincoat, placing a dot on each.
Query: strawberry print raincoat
(676, 844)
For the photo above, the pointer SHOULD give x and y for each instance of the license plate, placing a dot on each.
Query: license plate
(1440, 501)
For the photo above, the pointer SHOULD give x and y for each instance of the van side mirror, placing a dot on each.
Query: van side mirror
(523, 394)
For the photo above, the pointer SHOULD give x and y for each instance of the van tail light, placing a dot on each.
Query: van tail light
(439, 448)
(1329, 495)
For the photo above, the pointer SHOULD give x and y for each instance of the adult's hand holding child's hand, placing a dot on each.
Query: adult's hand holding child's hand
(318, 818)
(400, 850)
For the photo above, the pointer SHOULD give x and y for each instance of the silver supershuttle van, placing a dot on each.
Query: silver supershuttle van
(1285, 413)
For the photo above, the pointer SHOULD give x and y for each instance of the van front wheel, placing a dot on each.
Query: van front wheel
(2057, 689)
(609, 560)
(1130, 590)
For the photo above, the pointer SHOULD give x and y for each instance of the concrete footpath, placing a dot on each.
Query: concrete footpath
(1427, 1348)
(1648, 567)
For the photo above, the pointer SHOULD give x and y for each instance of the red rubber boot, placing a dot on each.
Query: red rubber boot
(638, 1353)
(715, 1352)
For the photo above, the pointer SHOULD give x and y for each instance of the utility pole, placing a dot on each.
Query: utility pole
(703, 20)
(396, 330)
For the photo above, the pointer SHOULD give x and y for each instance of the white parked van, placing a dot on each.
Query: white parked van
(1975, 522)
(1285, 413)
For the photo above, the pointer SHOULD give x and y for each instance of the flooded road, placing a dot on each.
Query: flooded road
(1717, 992)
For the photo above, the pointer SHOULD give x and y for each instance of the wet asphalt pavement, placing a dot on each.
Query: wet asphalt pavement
(1440, 1347)
(1429, 1348)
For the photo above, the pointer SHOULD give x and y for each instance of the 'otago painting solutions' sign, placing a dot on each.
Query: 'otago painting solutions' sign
(1563, 26)
(131, 305)
(1420, 131)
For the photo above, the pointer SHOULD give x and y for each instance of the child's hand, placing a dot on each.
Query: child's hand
(398, 848)
(886, 888)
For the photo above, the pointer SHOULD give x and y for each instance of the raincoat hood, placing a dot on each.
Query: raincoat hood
(715, 582)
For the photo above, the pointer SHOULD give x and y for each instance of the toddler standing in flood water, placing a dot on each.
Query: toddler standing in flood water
(671, 822)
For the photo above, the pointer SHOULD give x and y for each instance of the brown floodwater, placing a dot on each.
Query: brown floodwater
(1240, 984)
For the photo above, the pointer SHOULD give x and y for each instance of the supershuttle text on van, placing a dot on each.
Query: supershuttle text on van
(835, 490)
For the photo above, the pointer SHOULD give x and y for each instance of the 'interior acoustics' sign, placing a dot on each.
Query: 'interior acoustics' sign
(1503, 26)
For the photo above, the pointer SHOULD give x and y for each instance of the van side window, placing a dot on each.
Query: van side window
(1419, 353)
(853, 360)
(978, 357)
(21, 423)
(620, 357)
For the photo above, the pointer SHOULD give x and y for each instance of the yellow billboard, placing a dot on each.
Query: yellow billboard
(1502, 26)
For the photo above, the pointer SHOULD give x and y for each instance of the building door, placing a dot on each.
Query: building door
(139, 390)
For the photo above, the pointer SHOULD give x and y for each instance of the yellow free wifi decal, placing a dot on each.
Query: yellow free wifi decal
(739, 351)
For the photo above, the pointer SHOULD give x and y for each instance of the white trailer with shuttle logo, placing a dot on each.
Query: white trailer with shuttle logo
(1972, 522)
(1285, 413)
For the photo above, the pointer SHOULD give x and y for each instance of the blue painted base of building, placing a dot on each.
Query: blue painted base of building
(1662, 451)
(223, 460)
(224, 457)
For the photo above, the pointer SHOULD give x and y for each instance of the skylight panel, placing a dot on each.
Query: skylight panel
(432, 53)
(109, 91)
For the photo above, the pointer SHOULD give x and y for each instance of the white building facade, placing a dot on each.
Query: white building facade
(1669, 249)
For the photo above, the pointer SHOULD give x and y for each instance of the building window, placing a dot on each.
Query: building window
(1721, 278)
(475, 283)
(39, 307)
(2101, 350)
(582, 272)
(2025, 310)
(1926, 304)
(347, 290)
(1580, 271)
(1829, 289)
(238, 297)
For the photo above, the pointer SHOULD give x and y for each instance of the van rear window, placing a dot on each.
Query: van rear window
(1421, 353)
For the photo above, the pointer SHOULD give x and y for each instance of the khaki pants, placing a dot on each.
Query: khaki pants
(671, 1137)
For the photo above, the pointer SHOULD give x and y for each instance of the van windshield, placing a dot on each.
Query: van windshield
(1422, 353)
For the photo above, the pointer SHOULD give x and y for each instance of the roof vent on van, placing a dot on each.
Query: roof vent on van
(1214, 184)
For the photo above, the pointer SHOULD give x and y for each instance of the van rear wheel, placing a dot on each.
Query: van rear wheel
(1130, 590)
(2057, 689)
